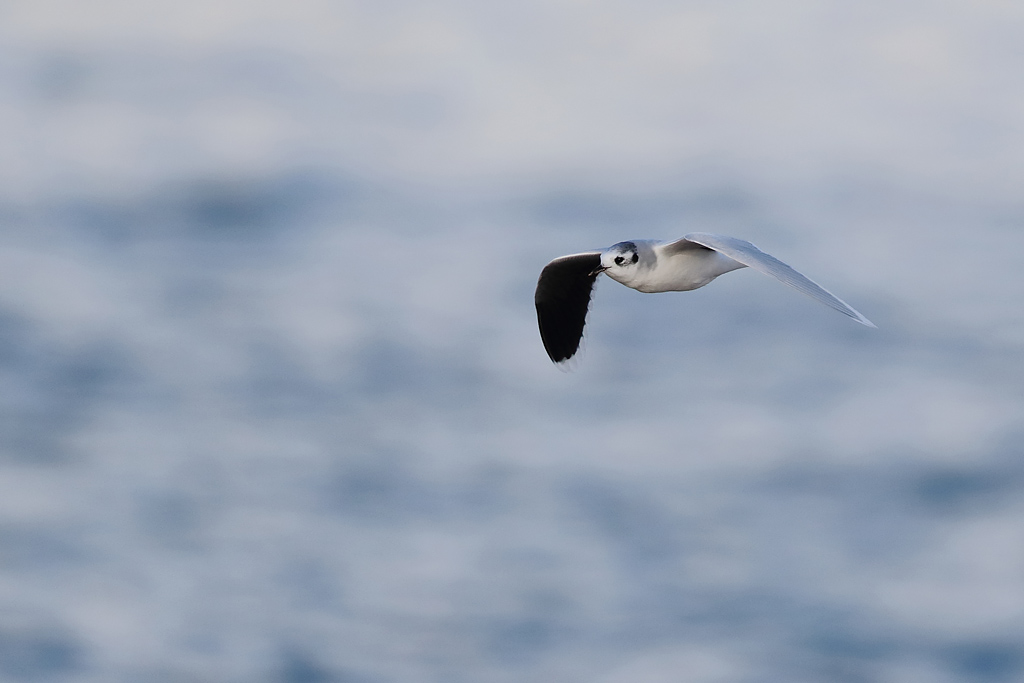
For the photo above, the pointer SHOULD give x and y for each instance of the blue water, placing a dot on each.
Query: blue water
(274, 403)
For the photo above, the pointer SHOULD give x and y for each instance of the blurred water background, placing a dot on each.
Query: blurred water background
(275, 408)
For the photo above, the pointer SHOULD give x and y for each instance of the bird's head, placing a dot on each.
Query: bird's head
(619, 260)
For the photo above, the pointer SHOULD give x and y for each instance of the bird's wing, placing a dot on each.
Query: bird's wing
(749, 255)
(562, 300)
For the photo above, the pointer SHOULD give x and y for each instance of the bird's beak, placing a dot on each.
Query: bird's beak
(598, 271)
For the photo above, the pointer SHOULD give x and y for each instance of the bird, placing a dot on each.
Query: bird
(566, 284)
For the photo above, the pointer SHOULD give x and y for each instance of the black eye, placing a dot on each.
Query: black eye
(636, 257)
(619, 260)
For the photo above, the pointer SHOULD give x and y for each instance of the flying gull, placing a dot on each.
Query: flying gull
(565, 284)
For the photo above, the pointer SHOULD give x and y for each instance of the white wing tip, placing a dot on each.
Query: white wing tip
(859, 317)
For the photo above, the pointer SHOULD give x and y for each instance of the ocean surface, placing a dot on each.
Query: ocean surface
(274, 404)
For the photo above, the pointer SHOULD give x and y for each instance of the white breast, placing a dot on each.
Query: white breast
(682, 271)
